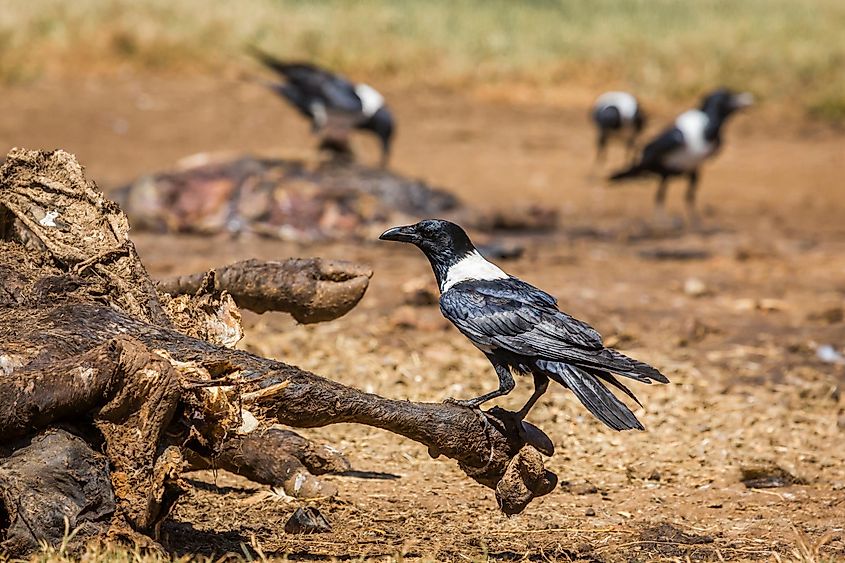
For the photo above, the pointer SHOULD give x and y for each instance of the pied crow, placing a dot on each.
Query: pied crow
(520, 328)
(681, 148)
(617, 114)
(330, 100)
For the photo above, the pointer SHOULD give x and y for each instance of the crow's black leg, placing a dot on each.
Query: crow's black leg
(506, 385)
(541, 383)
(660, 199)
(601, 147)
(631, 151)
(692, 214)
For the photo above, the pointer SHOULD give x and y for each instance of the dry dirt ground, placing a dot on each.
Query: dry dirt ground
(736, 327)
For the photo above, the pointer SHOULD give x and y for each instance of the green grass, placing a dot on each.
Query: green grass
(783, 50)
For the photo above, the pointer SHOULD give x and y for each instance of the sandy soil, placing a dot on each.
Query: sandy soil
(747, 388)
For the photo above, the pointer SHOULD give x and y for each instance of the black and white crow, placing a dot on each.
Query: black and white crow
(617, 114)
(680, 149)
(330, 99)
(520, 328)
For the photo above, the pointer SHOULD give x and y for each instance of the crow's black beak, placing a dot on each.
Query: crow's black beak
(400, 234)
(743, 100)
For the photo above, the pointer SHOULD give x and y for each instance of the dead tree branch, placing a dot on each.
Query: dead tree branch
(312, 290)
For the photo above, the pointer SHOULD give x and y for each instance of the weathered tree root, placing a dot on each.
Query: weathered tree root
(86, 341)
(56, 476)
(482, 444)
(132, 395)
(312, 290)
(279, 458)
(146, 392)
(485, 444)
(50, 207)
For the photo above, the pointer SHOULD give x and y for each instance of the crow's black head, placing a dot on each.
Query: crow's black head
(381, 123)
(433, 236)
(607, 117)
(443, 243)
(452, 255)
(723, 102)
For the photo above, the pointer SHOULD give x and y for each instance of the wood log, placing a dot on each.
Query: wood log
(86, 340)
(485, 445)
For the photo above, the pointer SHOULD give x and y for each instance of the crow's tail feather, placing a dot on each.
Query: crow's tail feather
(633, 171)
(269, 60)
(608, 378)
(635, 369)
(261, 55)
(594, 395)
(612, 361)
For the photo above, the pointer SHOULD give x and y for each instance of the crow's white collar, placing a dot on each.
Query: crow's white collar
(696, 148)
(371, 100)
(471, 267)
(624, 102)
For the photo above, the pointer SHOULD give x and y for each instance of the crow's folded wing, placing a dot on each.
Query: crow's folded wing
(315, 83)
(517, 317)
(521, 319)
(340, 95)
(668, 141)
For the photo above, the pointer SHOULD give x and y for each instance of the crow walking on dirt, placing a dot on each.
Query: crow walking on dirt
(617, 114)
(682, 148)
(332, 103)
(520, 328)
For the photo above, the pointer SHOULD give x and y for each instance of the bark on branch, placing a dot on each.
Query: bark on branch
(312, 290)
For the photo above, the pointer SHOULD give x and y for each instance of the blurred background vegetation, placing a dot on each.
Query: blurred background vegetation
(787, 52)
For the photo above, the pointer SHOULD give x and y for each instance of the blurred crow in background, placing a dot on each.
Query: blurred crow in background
(617, 114)
(680, 149)
(520, 328)
(332, 103)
